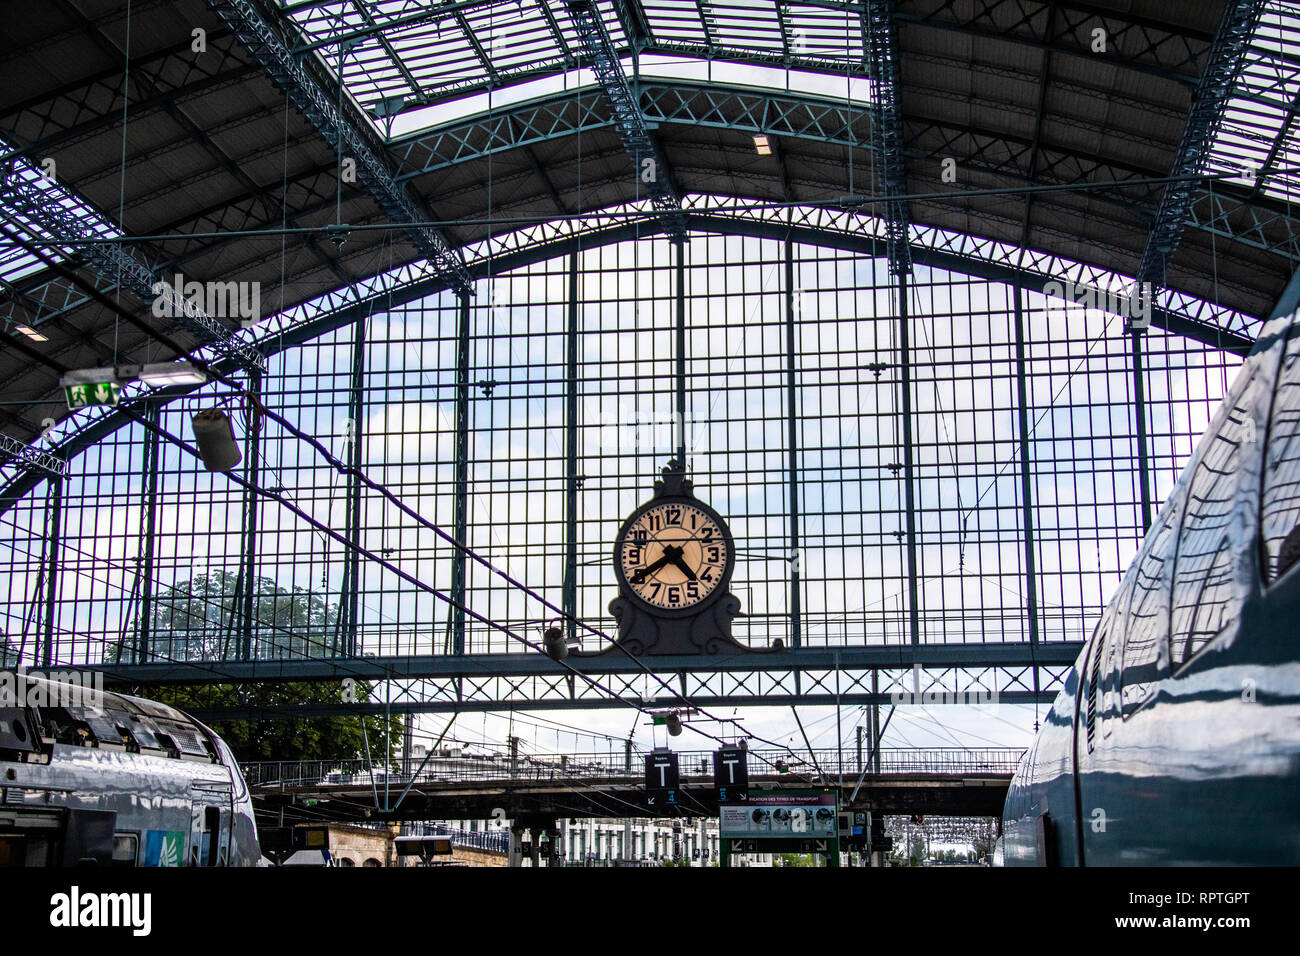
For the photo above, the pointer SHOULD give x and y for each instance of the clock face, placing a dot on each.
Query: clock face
(674, 555)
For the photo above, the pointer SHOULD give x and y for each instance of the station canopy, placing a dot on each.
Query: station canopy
(487, 116)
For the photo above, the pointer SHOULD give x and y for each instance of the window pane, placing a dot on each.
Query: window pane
(1205, 594)
(1281, 513)
(1149, 615)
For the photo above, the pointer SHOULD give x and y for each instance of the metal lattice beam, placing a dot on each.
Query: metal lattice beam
(1183, 315)
(61, 226)
(887, 127)
(308, 95)
(628, 119)
(32, 457)
(1215, 89)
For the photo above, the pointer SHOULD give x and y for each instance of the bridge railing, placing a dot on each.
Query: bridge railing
(694, 766)
(496, 841)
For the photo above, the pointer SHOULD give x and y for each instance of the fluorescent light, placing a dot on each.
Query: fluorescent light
(761, 144)
(88, 376)
(32, 334)
(171, 373)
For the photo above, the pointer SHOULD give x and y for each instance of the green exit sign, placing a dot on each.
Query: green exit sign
(103, 393)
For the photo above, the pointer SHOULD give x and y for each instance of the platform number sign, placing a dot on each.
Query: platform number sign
(661, 779)
(731, 774)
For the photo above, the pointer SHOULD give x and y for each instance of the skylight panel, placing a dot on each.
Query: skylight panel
(1259, 127)
(33, 182)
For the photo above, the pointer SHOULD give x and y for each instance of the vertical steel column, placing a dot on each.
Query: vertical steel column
(152, 441)
(1140, 415)
(570, 596)
(456, 616)
(905, 363)
(793, 441)
(1026, 485)
(252, 463)
(681, 352)
(347, 611)
(53, 529)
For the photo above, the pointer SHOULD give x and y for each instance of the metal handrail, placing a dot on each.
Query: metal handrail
(603, 766)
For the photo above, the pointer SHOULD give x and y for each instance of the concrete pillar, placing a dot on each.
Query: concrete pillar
(516, 834)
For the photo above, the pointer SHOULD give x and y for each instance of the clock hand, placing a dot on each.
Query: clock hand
(681, 565)
(642, 573)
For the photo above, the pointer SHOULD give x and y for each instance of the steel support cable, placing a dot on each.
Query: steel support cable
(405, 576)
(373, 485)
(165, 658)
(634, 214)
(191, 597)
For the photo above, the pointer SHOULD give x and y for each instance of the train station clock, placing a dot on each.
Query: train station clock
(673, 559)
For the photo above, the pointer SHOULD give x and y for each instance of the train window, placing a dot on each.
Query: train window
(1280, 519)
(13, 850)
(1148, 614)
(1205, 593)
(126, 847)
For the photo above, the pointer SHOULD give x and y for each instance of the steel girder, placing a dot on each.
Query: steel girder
(65, 117)
(626, 112)
(1213, 91)
(780, 694)
(887, 127)
(924, 674)
(1178, 313)
(717, 105)
(1253, 221)
(1223, 211)
(1245, 220)
(31, 456)
(61, 226)
(352, 136)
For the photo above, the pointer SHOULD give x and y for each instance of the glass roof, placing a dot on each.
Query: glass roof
(1259, 127)
(396, 55)
(28, 183)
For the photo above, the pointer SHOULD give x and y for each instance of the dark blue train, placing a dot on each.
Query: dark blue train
(1176, 738)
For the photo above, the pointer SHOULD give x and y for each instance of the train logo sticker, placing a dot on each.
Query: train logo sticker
(164, 848)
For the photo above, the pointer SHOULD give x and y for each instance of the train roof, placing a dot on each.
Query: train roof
(82, 715)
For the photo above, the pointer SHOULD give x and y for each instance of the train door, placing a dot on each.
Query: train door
(211, 819)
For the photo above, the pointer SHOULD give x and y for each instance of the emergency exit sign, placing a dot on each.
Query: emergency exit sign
(103, 393)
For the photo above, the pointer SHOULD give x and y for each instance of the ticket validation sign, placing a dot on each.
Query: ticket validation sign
(780, 815)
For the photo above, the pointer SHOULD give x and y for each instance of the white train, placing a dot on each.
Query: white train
(101, 779)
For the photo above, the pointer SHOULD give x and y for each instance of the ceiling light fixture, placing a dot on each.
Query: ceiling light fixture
(32, 334)
(171, 373)
(761, 144)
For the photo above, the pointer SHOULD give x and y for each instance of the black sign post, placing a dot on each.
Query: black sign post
(661, 778)
(731, 774)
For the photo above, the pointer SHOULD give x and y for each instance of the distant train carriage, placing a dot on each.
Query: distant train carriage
(1176, 736)
(109, 780)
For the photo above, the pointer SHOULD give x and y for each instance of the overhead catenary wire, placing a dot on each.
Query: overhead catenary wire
(629, 214)
(373, 485)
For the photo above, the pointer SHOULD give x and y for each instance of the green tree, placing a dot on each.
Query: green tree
(203, 620)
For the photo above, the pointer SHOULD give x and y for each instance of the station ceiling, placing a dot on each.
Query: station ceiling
(485, 116)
